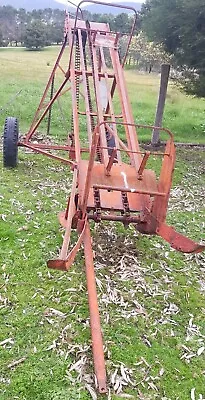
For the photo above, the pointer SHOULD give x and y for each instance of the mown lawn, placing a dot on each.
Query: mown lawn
(151, 298)
(27, 72)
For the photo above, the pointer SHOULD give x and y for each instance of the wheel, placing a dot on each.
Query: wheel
(10, 142)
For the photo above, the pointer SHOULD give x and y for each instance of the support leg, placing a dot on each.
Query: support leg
(97, 341)
(66, 241)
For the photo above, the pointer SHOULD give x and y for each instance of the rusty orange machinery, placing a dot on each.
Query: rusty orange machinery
(111, 180)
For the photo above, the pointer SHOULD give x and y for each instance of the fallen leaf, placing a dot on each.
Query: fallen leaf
(200, 350)
(17, 362)
(193, 394)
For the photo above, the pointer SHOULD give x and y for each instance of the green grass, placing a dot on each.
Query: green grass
(31, 197)
(184, 115)
(28, 71)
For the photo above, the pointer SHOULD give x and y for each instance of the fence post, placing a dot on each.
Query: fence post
(165, 70)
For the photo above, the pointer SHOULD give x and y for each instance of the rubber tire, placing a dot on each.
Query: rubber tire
(10, 142)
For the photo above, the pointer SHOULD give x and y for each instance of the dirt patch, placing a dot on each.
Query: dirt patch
(110, 247)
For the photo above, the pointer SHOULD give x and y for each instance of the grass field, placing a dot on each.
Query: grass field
(151, 298)
(28, 71)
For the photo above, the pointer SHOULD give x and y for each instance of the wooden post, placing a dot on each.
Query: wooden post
(165, 69)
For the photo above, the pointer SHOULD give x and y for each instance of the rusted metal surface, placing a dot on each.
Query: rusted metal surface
(70, 215)
(97, 341)
(111, 181)
(178, 242)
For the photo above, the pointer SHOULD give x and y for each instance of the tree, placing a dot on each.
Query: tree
(8, 22)
(144, 54)
(122, 23)
(180, 26)
(1, 39)
(22, 19)
(35, 35)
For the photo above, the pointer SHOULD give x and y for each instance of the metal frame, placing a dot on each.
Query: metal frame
(112, 183)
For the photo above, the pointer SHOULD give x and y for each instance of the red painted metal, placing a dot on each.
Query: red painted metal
(111, 181)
